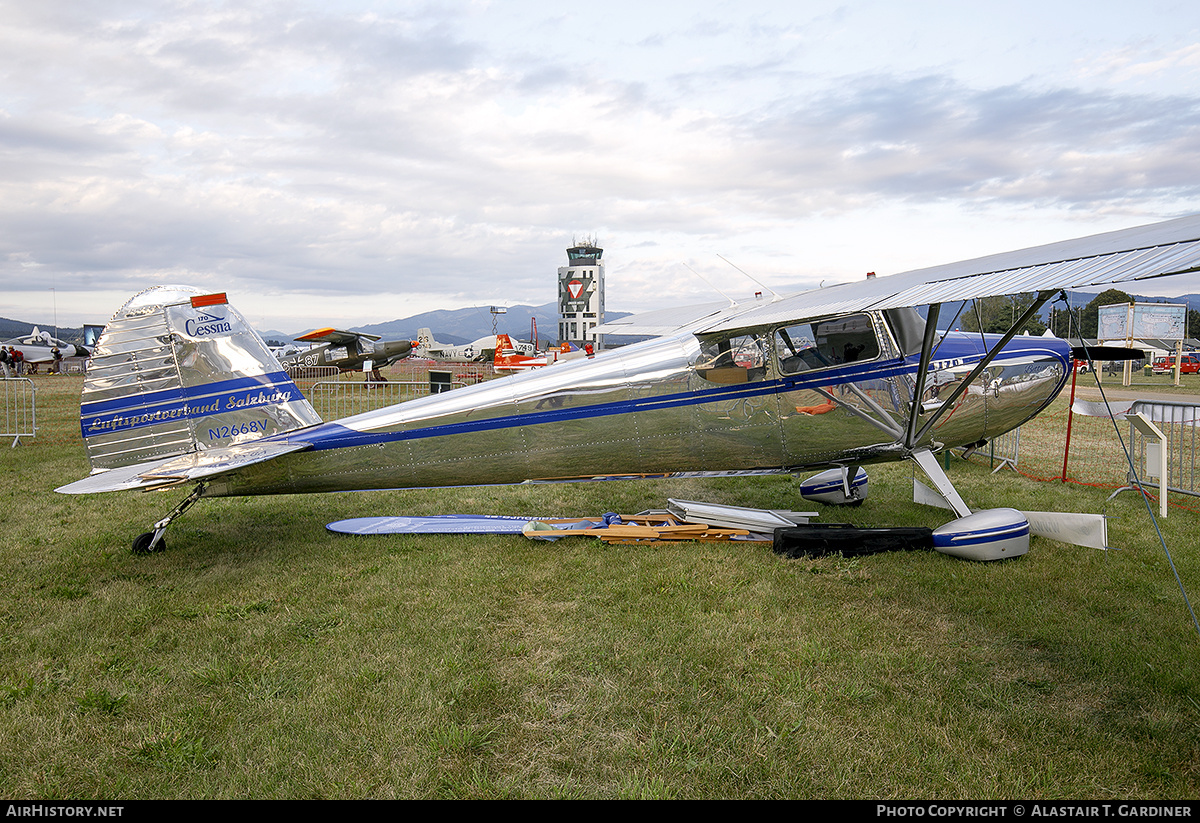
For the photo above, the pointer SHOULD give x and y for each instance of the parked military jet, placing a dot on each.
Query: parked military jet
(348, 351)
(829, 379)
(38, 347)
(510, 359)
(481, 350)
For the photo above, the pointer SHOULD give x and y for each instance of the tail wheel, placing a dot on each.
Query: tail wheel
(142, 545)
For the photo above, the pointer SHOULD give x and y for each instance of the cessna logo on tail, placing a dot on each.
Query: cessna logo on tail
(206, 325)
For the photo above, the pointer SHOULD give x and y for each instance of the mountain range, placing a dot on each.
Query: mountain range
(461, 326)
(457, 326)
(17, 328)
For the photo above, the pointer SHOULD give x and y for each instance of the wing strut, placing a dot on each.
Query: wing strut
(927, 355)
(910, 438)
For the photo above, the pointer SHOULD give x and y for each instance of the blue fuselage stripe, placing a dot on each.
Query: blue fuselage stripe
(186, 403)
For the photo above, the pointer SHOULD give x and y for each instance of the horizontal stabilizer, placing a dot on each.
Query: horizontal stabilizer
(182, 469)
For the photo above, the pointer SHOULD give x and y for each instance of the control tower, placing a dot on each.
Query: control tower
(581, 296)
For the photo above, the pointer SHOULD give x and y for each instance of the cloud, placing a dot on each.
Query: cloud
(453, 153)
(1134, 64)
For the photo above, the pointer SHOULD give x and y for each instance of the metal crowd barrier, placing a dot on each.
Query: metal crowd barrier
(1005, 449)
(18, 404)
(1178, 423)
(299, 373)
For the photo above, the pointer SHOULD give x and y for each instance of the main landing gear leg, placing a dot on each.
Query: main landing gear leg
(154, 541)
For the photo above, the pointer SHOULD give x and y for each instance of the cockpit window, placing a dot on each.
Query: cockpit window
(826, 343)
(739, 358)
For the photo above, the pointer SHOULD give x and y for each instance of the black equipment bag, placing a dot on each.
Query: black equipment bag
(820, 539)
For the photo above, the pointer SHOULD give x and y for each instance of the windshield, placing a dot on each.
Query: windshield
(825, 343)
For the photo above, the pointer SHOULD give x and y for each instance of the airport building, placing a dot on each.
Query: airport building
(581, 296)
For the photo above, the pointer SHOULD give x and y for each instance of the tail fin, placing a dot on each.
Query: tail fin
(504, 344)
(424, 338)
(178, 371)
(506, 355)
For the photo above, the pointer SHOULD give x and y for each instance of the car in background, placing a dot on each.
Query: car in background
(1188, 364)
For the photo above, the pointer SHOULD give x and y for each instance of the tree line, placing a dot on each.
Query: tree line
(997, 314)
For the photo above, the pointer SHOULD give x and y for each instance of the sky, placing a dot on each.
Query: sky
(349, 163)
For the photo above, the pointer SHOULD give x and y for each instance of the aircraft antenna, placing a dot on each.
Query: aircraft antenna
(774, 296)
(732, 302)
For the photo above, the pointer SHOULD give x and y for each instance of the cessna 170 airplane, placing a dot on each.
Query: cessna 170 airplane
(828, 379)
(347, 350)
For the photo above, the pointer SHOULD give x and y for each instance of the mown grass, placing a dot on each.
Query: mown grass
(262, 656)
(1189, 384)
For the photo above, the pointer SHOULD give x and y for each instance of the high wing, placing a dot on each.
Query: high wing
(667, 321)
(335, 336)
(1114, 258)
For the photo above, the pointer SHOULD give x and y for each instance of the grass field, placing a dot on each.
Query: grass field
(1189, 384)
(262, 656)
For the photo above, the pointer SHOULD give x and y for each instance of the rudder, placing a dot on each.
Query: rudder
(177, 371)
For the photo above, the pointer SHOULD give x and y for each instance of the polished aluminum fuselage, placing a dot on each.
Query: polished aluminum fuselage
(646, 409)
